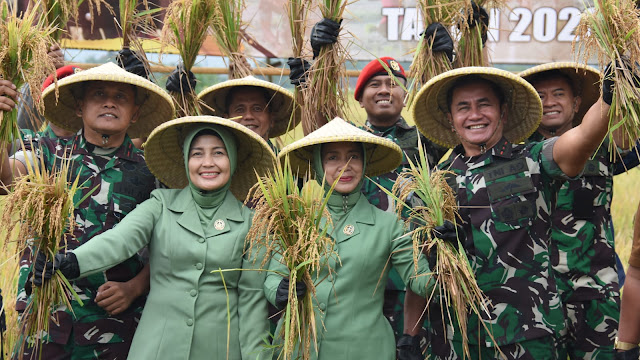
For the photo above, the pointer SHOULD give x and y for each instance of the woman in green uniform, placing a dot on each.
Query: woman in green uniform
(192, 230)
(350, 323)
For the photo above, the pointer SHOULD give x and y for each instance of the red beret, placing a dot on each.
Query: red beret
(375, 68)
(60, 73)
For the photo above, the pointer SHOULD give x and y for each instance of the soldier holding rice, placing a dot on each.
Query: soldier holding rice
(505, 195)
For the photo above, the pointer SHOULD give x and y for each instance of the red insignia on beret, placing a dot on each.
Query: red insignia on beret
(60, 73)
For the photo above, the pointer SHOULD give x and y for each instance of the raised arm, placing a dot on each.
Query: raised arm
(573, 148)
(9, 168)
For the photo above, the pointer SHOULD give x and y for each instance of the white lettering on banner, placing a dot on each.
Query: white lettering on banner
(405, 24)
(393, 22)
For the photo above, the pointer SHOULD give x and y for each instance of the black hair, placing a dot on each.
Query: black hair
(474, 79)
(234, 90)
(80, 91)
(550, 75)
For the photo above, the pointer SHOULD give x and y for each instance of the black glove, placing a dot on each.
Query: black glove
(130, 61)
(479, 16)
(282, 294)
(632, 354)
(408, 348)
(298, 70)
(608, 83)
(3, 320)
(448, 232)
(325, 32)
(43, 269)
(442, 41)
(179, 81)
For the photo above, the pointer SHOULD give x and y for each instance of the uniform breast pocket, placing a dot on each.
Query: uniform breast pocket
(513, 203)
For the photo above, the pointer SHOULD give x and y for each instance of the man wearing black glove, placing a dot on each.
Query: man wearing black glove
(43, 270)
(298, 70)
(131, 61)
(479, 16)
(325, 32)
(438, 36)
(282, 293)
(179, 81)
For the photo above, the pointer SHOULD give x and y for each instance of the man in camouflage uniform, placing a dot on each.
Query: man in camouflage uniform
(115, 177)
(582, 244)
(505, 193)
(383, 99)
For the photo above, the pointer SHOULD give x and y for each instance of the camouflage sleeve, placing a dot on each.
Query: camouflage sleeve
(543, 151)
(252, 306)
(121, 242)
(434, 150)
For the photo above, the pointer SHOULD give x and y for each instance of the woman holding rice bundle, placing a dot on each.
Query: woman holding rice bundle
(192, 230)
(368, 241)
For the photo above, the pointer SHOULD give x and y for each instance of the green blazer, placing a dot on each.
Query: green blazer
(350, 323)
(186, 313)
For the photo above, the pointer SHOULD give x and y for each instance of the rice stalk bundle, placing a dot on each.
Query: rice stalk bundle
(456, 288)
(297, 11)
(135, 15)
(57, 13)
(42, 202)
(185, 27)
(426, 64)
(227, 30)
(470, 48)
(611, 33)
(9, 274)
(328, 82)
(24, 47)
(294, 224)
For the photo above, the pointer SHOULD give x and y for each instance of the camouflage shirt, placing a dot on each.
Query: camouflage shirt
(117, 180)
(582, 248)
(504, 198)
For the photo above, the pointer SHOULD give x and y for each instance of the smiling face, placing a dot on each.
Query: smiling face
(559, 105)
(383, 100)
(209, 166)
(335, 156)
(249, 106)
(477, 116)
(107, 108)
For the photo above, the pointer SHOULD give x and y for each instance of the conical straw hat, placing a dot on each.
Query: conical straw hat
(585, 79)
(163, 152)
(382, 155)
(431, 108)
(281, 103)
(156, 104)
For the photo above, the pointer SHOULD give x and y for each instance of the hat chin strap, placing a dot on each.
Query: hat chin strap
(105, 139)
(482, 145)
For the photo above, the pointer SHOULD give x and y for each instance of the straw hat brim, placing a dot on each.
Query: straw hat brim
(156, 105)
(431, 108)
(585, 79)
(382, 155)
(281, 103)
(163, 153)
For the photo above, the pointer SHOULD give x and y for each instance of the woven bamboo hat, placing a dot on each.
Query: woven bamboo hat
(156, 105)
(585, 81)
(430, 110)
(163, 152)
(382, 155)
(281, 102)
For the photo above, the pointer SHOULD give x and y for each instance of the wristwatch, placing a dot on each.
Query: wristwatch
(621, 345)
